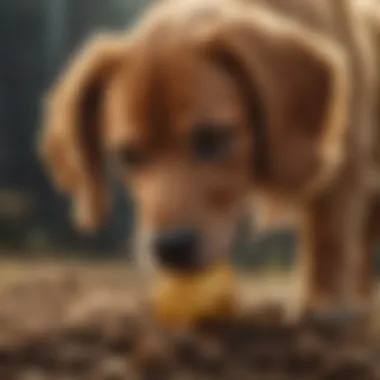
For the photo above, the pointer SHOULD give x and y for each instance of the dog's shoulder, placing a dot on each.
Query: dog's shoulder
(318, 15)
(370, 9)
(312, 14)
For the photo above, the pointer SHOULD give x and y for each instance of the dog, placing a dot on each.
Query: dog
(205, 105)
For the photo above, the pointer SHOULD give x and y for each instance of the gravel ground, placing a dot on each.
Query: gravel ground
(72, 324)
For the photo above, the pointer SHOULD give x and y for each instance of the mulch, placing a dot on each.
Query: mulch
(57, 328)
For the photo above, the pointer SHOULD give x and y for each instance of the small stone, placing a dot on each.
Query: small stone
(122, 334)
(114, 369)
(350, 365)
(153, 358)
(9, 372)
(269, 314)
(41, 352)
(211, 356)
(85, 334)
(306, 356)
(264, 359)
(33, 375)
(76, 358)
(185, 345)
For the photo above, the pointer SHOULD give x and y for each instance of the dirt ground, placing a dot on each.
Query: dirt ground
(78, 322)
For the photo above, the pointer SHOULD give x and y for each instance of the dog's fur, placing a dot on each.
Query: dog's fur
(283, 76)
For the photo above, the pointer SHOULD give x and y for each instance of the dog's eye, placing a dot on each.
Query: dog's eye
(131, 157)
(210, 142)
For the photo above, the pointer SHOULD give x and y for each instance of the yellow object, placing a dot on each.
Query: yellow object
(182, 299)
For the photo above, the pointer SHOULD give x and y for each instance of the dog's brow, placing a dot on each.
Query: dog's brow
(254, 105)
(152, 99)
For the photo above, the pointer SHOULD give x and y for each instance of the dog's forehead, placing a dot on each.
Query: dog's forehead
(165, 89)
(183, 15)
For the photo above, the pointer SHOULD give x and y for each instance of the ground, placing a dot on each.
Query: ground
(81, 322)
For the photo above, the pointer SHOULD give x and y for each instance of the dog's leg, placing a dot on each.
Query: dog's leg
(320, 253)
(323, 252)
(367, 280)
(335, 246)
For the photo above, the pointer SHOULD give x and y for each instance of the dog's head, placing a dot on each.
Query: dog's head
(200, 104)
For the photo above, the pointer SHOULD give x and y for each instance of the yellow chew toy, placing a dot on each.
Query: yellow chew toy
(182, 299)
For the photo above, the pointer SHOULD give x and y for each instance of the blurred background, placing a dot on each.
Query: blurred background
(36, 39)
(76, 321)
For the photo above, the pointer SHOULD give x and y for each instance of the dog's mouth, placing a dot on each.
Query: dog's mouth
(186, 271)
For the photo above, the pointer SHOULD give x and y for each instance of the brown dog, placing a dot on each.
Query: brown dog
(205, 103)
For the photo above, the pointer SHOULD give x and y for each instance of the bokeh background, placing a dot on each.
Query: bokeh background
(66, 310)
(36, 39)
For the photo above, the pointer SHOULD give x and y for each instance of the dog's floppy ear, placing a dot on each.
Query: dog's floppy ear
(295, 86)
(70, 143)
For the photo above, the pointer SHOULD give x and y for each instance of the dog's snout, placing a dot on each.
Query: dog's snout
(177, 248)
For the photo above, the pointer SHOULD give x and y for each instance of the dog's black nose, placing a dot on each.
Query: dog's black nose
(177, 248)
